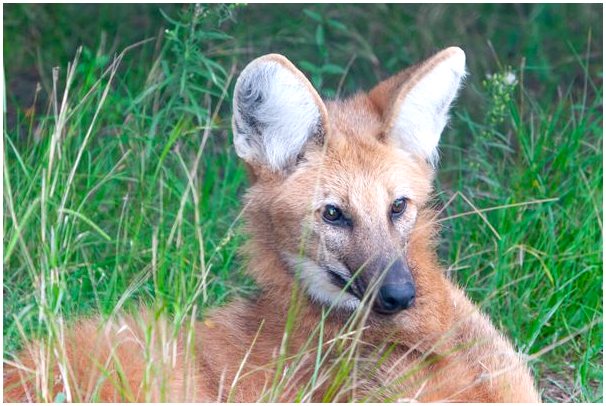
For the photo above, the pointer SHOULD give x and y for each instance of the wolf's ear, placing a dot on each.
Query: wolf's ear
(276, 113)
(415, 102)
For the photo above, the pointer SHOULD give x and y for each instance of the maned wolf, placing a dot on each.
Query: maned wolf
(354, 305)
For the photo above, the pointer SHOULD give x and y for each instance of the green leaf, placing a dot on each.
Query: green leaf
(23, 221)
(320, 36)
(316, 80)
(313, 15)
(87, 221)
(332, 69)
(309, 67)
(337, 24)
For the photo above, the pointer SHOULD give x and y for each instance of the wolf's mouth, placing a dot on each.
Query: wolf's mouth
(344, 281)
(391, 295)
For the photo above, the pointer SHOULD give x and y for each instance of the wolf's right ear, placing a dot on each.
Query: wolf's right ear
(276, 112)
(415, 102)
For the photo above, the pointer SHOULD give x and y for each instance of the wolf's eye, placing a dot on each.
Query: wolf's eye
(398, 206)
(332, 214)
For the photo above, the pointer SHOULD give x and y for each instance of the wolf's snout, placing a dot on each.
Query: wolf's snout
(397, 289)
(395, 297)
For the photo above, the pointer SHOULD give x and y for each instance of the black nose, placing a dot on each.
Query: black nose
(395, 297)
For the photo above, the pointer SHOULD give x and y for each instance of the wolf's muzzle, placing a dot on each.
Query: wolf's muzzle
(397, 290)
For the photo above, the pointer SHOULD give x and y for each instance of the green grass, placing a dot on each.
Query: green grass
(121, 186)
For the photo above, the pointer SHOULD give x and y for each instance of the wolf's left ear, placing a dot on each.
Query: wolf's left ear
(277, 113)
(415, 102)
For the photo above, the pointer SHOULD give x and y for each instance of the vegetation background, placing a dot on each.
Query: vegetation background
(121, 186)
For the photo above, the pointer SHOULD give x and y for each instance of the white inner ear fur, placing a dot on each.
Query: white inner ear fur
(423, 111)
(275, 114)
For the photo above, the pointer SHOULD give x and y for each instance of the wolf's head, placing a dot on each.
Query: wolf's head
(339, 187)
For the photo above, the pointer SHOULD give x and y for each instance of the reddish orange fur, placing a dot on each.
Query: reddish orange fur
(453, 351)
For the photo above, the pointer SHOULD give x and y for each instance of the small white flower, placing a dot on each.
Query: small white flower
(510, 78)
